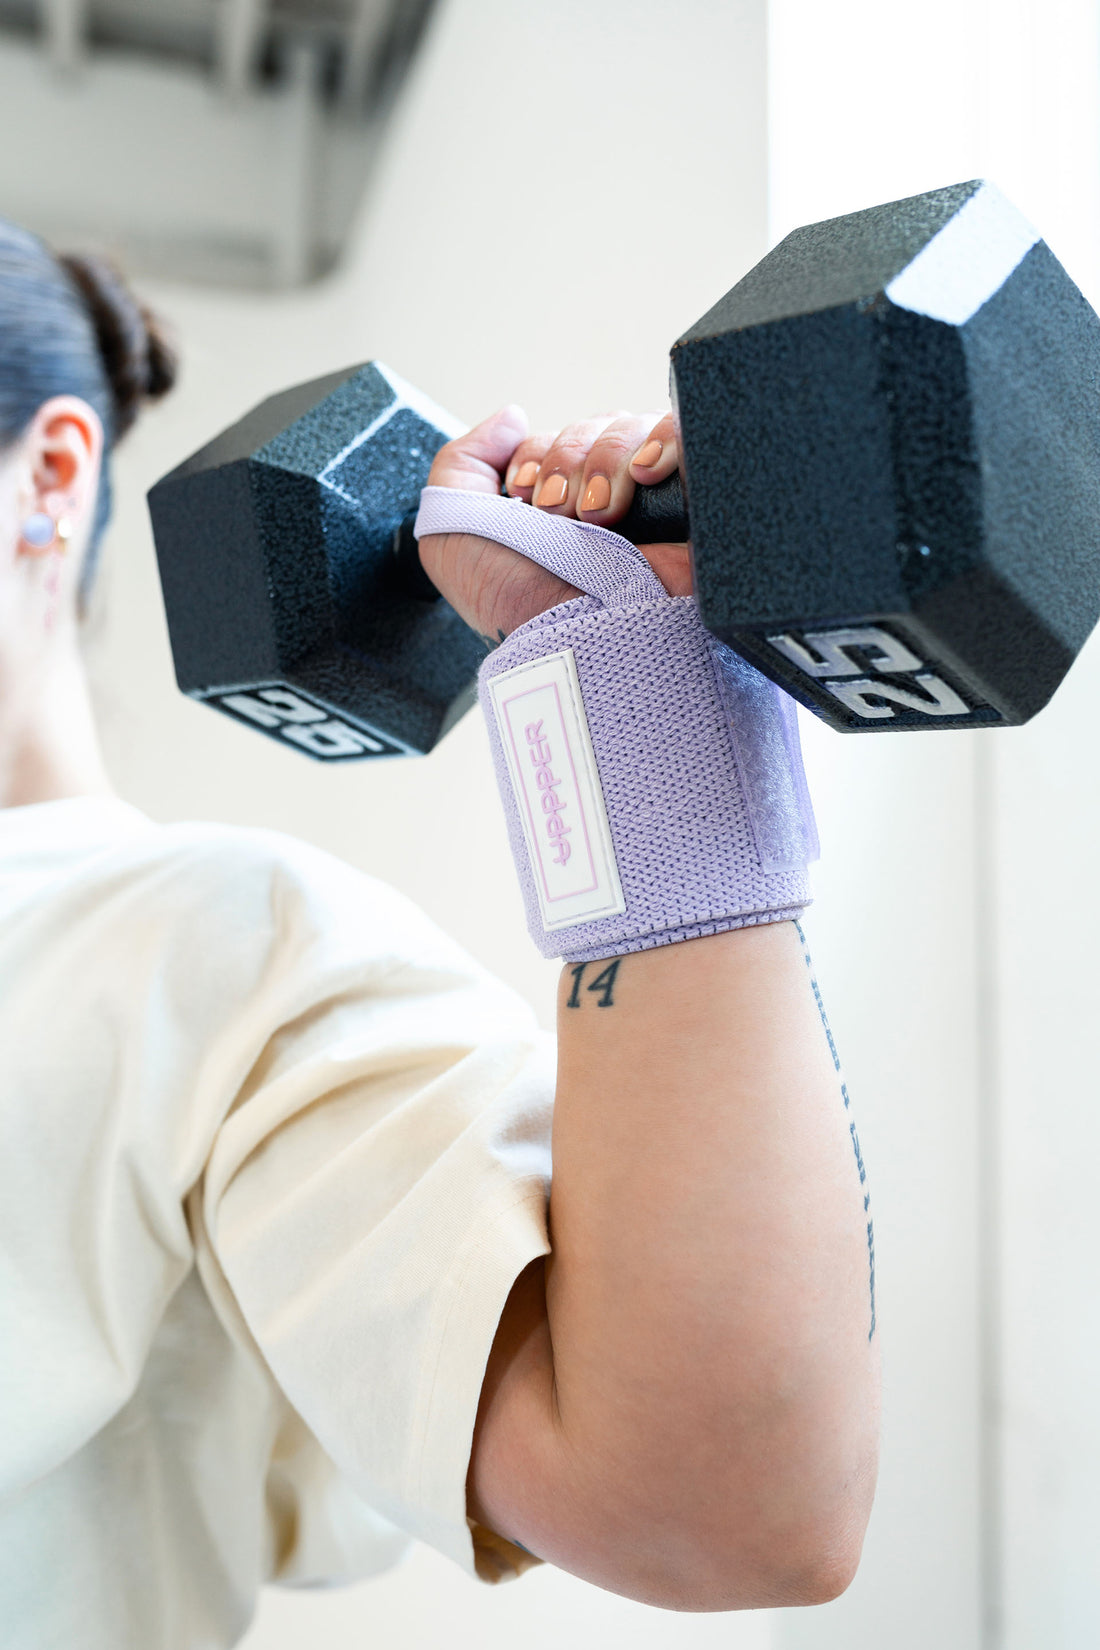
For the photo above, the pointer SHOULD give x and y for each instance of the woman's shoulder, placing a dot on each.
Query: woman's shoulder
(308, 896)
(204, 884)
(306, 890)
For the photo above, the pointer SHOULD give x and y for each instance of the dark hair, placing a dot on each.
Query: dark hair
(71, 326)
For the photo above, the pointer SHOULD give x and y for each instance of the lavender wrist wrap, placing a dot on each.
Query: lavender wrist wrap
(652, 780)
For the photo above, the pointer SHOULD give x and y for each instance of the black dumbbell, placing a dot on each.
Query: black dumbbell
(890, 438)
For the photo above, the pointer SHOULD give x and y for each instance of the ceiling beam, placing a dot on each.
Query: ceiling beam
(64, 24)
(365, 32)
(240, 27)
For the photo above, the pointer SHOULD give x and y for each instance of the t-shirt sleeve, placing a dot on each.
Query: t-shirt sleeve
(377, 1186)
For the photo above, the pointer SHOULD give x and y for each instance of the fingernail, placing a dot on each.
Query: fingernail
(597, 495)
(646, 457)
(554, 490)
(525, 475)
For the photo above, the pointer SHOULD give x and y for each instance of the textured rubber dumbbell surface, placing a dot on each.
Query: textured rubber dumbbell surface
(890, 437)
(892, 461)
(289, 606)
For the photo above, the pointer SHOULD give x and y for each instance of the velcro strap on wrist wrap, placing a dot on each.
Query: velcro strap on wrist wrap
(652, 780)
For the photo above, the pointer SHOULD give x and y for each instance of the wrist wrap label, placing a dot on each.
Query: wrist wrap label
(673, 804)
(547, 750)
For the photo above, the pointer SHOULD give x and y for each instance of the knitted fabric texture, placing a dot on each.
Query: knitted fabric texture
(697, 754)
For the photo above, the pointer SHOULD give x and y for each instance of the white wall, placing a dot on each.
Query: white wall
(1046, 796)
(982, 1137)
(566, 189)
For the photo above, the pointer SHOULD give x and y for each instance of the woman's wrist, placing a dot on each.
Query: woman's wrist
(651, 780)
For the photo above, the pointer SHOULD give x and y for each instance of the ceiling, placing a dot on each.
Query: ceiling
(225, 141)
(359, 41)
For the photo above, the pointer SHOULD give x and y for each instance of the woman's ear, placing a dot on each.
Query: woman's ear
(66, 446)
(62, 450)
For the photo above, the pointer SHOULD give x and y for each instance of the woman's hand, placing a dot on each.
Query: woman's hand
(588, 470)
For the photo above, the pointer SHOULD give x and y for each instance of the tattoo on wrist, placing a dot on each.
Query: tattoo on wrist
(603, 985)
(492, 642)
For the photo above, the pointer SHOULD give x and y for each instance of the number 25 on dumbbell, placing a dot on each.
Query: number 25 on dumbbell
(890, 440)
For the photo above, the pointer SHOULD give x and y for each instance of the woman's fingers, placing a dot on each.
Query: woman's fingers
(587, 469)
(561, 469)
(611, 473)
(655, 460)
(591, 469)
(523, 466)
(607, 484)
(658, 455)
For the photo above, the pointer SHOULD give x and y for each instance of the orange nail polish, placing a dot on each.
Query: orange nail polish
(646, 457)
(554, 490)
(526, 474)
(597, 495)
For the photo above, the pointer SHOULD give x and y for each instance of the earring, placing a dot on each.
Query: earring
(40, 531)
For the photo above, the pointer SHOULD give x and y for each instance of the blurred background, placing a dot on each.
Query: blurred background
(531, 201)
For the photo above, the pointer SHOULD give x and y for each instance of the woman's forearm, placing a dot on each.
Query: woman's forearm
(708, 1366)
(680, 1404)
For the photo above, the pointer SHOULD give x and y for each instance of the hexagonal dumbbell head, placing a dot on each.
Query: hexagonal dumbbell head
(891, 437)
(289, 605)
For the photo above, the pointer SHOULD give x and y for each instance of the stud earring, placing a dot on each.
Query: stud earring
(39, 530)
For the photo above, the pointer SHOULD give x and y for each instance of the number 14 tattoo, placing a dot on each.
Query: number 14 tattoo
(604, 983)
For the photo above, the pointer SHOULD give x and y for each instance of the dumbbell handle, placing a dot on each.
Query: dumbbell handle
(656, 516)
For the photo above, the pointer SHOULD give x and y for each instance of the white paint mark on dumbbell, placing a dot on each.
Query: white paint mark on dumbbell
(937, 698)
(971, 258)
(828, 657)
(405, 396)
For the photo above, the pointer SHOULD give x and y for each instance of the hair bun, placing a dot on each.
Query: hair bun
(138, 359)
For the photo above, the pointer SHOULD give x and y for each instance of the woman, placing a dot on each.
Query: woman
(278, 1285)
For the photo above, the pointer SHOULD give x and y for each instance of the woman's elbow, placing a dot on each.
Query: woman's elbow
(795, 1570)
(820, 1568)
(751, 1549)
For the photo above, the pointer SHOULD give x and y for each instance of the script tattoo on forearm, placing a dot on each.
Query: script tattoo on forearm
(603, 985)
(860, 1166)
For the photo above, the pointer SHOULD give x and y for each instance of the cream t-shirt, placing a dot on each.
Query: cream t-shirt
(273, 1151)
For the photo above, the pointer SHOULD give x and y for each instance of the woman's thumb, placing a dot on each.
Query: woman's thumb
(478, 459)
